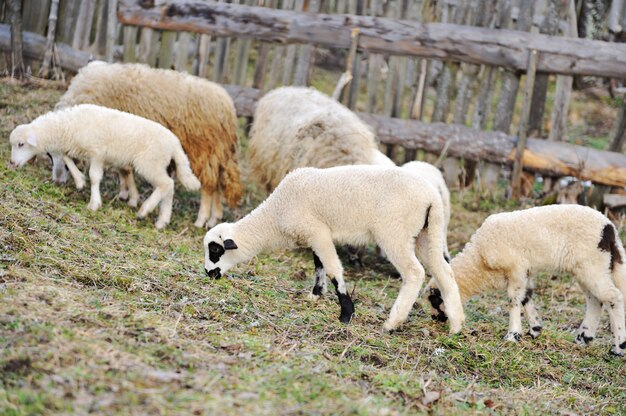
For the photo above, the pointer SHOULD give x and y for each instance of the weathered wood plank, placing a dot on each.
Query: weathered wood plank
(130, 44)
(84, 21)
(510, 81)
(541, 156)
(166, 51)
(507, 49)
(35, 15)
(563, 84)
(112, 24)
(529, 89)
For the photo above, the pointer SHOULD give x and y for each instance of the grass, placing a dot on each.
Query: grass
(100, 313)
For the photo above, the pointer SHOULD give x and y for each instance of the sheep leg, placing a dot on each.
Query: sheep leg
(79, 178)
(532, 316)
(611, 297)
(162, 185)
(324, 249)
(133, 199)
(355, 256)
(128, 188)
(165, 209)
(413, 276)
(206, 200)
(319, 288)
(516, 291)
(216, 210)
(442, 273)
(96, 170)
(589, 326)
(122, 173)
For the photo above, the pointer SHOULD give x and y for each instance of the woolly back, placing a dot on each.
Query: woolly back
(199, 112)
(301, 127)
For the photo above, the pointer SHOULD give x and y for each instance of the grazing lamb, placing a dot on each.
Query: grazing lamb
(297, 127)
(199, 112)
(349, 205)
(435, 178)
(108, 137)
(509, 247)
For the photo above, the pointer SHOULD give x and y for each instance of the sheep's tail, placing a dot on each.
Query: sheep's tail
(434, 223)
(183, 170)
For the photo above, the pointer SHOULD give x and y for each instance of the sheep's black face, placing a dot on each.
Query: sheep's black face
(215, 251)
(219, 253)
(436, 302)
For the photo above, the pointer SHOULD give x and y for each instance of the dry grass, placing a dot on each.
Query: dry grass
(100, 313)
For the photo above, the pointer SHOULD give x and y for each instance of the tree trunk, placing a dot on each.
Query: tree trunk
(17, 57)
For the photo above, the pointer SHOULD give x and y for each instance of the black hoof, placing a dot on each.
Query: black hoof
(583, 339)
(317, 290)
(346, 317)
(535, 331)
(513, 336)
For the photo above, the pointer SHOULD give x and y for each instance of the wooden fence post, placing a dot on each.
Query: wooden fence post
(563, 85)
(111, 30)
(516, 180)
(510, 80)
(52, 24)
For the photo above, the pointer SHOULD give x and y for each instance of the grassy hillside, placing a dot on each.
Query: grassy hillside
(100, 313)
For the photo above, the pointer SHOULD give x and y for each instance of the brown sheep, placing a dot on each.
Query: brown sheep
(199, 112)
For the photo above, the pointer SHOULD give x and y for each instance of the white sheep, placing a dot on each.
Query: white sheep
(107, 137)
(297, 127)
(349, 205)
(433, 175)
(509, 247)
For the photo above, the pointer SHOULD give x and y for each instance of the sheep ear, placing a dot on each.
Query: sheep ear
(229, 244)
(31, 140)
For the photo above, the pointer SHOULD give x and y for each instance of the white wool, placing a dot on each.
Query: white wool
(298, 127)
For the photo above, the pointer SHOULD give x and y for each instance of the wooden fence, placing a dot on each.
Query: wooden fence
(422, 60)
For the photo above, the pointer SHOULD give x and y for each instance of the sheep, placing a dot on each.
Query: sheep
(199, 112)
(433, 175)
(298, 127)
(315, 208)
(108, 137)
(509, 247)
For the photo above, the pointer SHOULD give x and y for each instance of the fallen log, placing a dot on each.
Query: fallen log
(504, 48)
(541, 156)
(35, 48)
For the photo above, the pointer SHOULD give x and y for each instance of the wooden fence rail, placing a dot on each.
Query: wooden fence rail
(35, 45)
(504, 48)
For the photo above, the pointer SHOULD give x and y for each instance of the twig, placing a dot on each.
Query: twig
(345, 350)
